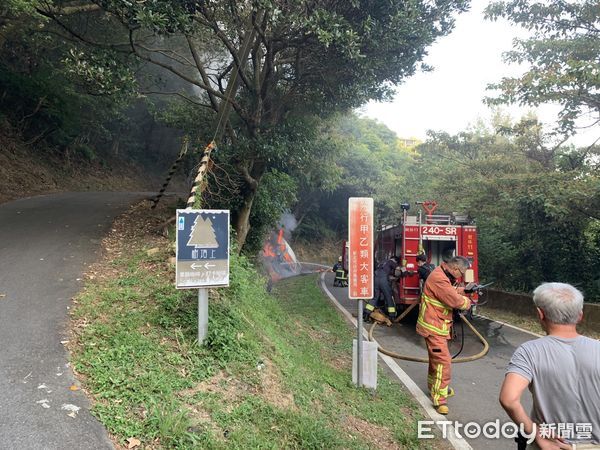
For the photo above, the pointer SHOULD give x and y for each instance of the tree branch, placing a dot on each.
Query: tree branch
(211, 23)
(185, 97)
(115, 47)
(174, 71)
(75, 9)
(246, 175)
(200, 67)
(165, 53)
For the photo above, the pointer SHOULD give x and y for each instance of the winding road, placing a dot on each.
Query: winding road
(45, 244)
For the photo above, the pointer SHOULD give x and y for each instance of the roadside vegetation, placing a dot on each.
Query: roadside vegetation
(275, 370)
(91, 85)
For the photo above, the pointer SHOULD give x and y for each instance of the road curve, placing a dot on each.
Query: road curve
(45, 244)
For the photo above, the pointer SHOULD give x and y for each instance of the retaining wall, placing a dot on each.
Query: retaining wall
(522, 304)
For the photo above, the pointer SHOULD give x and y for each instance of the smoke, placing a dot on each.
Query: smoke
(288, 222)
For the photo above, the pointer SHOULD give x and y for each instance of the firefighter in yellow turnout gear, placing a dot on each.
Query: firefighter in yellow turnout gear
(438, 299)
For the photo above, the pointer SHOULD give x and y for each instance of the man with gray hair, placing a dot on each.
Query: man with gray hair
(562, 371)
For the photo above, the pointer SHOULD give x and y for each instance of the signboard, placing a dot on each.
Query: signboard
(360, 240)
(435, 232)
(202, 248)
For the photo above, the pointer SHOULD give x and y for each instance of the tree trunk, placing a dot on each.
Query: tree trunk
(252, 180)
(242, 223)
(115, 144)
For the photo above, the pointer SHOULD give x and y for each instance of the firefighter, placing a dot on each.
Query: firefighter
(340, 274)
(438, 300)
(424, 269)
(382, 286)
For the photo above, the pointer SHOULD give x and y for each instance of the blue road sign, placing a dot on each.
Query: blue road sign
(202, 250)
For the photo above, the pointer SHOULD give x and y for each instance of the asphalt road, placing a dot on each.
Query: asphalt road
(45, 244)
(477, 383)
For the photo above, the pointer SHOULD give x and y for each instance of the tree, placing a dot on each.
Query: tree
(563, 57)
(369, 162)
(306, 58)
(533, 200)
(202, 233)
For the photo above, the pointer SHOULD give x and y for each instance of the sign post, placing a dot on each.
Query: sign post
(202, 256)
(360, 264)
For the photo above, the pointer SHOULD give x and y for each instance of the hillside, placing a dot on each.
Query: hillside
(27, 170)
(274, 371)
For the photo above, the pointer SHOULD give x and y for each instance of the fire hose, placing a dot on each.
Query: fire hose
(481, 354)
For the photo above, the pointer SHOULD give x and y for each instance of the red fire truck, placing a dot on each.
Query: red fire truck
(439, 236)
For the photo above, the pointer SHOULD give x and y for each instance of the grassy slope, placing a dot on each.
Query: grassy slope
(274, 373)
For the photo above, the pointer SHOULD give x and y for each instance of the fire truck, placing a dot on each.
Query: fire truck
(438, 236)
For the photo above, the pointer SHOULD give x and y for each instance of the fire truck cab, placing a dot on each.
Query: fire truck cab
(438, 236)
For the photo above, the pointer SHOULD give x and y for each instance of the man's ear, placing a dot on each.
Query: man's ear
(580, 317)
(541, 314)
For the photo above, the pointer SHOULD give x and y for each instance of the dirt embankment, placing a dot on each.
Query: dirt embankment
(26, 171)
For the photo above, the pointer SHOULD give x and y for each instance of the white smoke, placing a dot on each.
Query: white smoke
(289, 223)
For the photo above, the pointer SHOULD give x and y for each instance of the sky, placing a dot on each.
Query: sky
(450, 98)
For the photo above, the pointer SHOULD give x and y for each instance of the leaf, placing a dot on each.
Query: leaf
(133, 442)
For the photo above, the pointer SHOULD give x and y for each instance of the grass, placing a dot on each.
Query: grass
(275, 370)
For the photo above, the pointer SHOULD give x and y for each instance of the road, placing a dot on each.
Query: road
(476, 383)
(45, 244)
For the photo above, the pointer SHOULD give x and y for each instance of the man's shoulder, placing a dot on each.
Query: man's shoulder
(535, 346)
(537, 342)
(589, 344)
(589, 341)
(554, 341)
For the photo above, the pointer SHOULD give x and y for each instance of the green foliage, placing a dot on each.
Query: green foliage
(276, 194)
(535, 200)
(534, 223)
(307, 60)
(371, 163)
(42, 105)
(160, 16)
(100, 73)
(562, 54)
(170, 423)
(14, 8)
(313, 228)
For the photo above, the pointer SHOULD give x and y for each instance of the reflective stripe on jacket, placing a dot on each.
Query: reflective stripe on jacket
(438, 300)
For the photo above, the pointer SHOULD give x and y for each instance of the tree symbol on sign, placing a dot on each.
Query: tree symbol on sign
(203, 234)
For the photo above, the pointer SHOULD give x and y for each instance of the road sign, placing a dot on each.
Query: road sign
(360, 267)
(202, 248)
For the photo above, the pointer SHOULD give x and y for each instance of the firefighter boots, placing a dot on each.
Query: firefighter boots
(379, 317)
(442, 409)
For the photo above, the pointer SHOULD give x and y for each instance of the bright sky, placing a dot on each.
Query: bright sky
(450, 98)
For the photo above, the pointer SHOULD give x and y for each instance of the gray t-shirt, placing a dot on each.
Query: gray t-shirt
(564, 376)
